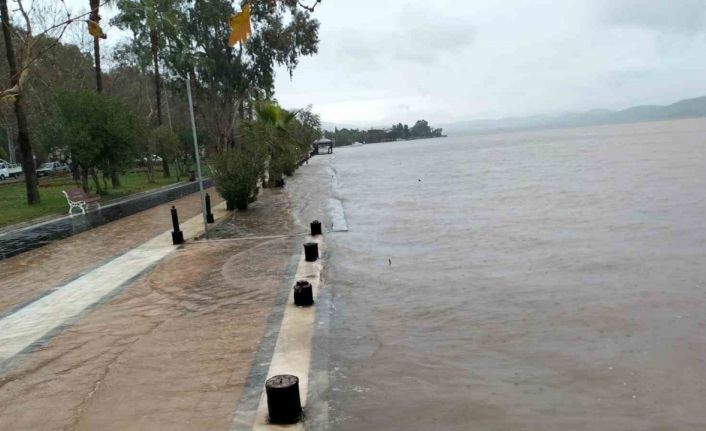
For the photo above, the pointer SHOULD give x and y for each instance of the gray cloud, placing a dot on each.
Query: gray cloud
(414, 35)
(446, 60)
(687, 17)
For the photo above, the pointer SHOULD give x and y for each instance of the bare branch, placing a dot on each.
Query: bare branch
(311, 8)
(25, 15)
(30, 41)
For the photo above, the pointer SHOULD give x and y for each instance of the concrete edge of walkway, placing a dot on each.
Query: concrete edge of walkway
(286, 347)
(292, 353)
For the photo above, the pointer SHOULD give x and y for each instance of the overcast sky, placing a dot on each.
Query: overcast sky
(446, 60)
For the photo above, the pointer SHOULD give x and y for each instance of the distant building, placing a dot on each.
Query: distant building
(328, 144)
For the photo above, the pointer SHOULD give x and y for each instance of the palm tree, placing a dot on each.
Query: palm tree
(149, 20)
(95, 17)
(273, 133)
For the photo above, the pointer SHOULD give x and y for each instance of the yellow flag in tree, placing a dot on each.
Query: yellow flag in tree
(95, 29)
(240, 26)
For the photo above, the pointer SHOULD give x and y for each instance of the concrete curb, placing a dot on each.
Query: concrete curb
(292, 354)
(292, 350)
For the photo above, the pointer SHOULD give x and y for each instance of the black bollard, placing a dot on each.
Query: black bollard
(311, 252)
(177, 235)
(209, 214)
(303, 294)
(315, 228)
(283, 402)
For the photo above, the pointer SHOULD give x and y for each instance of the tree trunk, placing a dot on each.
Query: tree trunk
(154, 40)
(150, 170)
(249, 110)
(115, 179)
(84, 179)
(95, 16)
(96, 180)
(25, 146)
(165, 168)
(241, 108)
(97, 60)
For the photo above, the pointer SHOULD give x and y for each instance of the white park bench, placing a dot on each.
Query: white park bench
(77, 198)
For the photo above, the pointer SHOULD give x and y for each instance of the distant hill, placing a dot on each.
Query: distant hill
(688, 108)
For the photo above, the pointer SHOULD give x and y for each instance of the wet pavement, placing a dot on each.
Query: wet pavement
(170, 352)
(171, 349)
(31, 274)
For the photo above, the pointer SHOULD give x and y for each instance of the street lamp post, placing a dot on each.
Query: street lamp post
(198, 155)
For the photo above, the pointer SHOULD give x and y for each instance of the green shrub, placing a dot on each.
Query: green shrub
(236, 174)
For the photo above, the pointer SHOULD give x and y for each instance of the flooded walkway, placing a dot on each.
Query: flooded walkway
(32, 274)
(169, 349)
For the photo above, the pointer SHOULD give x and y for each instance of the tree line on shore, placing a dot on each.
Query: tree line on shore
(61, 102)
(420, 130)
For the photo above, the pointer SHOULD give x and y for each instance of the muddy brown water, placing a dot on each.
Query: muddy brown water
(548, 280)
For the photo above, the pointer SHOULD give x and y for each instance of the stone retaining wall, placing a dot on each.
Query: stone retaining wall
(27, 238)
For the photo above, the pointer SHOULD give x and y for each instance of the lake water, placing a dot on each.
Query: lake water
(544, 280)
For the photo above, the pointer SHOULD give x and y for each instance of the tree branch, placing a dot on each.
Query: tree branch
(30, 41)
(309, 8)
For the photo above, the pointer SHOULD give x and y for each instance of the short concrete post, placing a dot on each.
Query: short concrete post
(303, 294)
(283, 402)
(316, 228)
(209, 214)
(177, 234)
(311, 252)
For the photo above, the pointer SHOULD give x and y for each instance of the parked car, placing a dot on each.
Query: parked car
(8, 170)
(143, 161)
(51, 168)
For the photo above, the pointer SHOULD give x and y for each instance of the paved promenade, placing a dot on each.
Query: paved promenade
(140, 335)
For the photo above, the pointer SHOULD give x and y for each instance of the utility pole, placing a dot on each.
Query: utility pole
(10, 147)
(198, 155)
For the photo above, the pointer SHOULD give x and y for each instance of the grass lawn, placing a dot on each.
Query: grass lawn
(13, 203)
